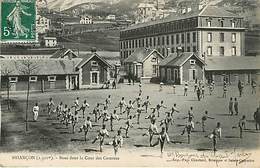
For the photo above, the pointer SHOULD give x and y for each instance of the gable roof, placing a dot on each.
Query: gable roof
(141, 54)
(63, 52)
(232, 63)
(174, 60)
(208, 10)
(87, 57)
(44, 67)
(216, 11)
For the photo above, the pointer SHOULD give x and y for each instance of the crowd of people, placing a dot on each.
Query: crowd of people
(104, 114)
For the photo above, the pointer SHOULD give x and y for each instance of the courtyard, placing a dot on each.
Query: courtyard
(49, 135)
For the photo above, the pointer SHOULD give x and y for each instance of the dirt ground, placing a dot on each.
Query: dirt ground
(48, 135)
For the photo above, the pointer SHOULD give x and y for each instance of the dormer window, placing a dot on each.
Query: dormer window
(94, 63)
(153, 59)
(209, 23)
(232, 24)
(192, 62)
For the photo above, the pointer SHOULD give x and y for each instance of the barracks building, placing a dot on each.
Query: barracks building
(211, 33)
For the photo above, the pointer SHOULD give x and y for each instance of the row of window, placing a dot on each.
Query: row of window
(161, 40)
(161, 28)
(163, 51)
(221, 23)
(222, 37)
(32, 79)
(221, 51)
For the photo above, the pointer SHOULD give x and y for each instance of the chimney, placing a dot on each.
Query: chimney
(179, 51)
(93, 50)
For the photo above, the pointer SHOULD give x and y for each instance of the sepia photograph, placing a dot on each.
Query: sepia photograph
(130, 83)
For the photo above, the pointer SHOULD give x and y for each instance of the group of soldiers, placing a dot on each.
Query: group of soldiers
(135, 109)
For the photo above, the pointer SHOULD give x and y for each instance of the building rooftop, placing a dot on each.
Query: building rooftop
(86, 57)
(209, 11)
(140, 54)
(232, 63)
(44, 67)
(63, 52)
(174, 60)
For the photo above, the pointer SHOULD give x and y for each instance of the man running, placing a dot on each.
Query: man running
(152, 130)
(129, 124)
(121, 105)
(50, 106)
(83, 108)
(86, 127)
(147, 103)
(163, 136)
(101, 136)
(204, 119)
(158, 107)
(188, 128)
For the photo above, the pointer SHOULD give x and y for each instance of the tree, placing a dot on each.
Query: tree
(6, 71)
(27, 67)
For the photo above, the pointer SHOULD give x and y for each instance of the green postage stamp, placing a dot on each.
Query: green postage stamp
(18, 21)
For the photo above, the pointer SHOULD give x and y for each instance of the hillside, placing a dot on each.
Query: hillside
(102, 40)
(61, 5)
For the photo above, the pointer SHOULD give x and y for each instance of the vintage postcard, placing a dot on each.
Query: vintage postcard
(130, 83)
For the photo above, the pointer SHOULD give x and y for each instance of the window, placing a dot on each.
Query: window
(192, 62)
(159, 41)
(221, 23)
(51, 78)
(146, 42)
(182, 38)
(194, 49)
(163, 40)
(154, 69)
(222, 37)
(188, 37)
(233, 37)
(163, 51)
(172, 39)
(177, 39)
(150, 42)
(172, 50)
(154, 41)
(94, 63)
(234, 51)
(209, 23)
(194, 37)
(232, 24)
(221, 50)
(188, 49)
(33, 78)
(167, 40)
(154, 59)
(209, 51)
(209, 37)
(13, 79)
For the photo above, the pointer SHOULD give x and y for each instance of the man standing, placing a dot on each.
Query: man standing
(230, 106)
(35, 112)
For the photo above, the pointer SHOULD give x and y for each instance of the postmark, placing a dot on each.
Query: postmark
(18, 21)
